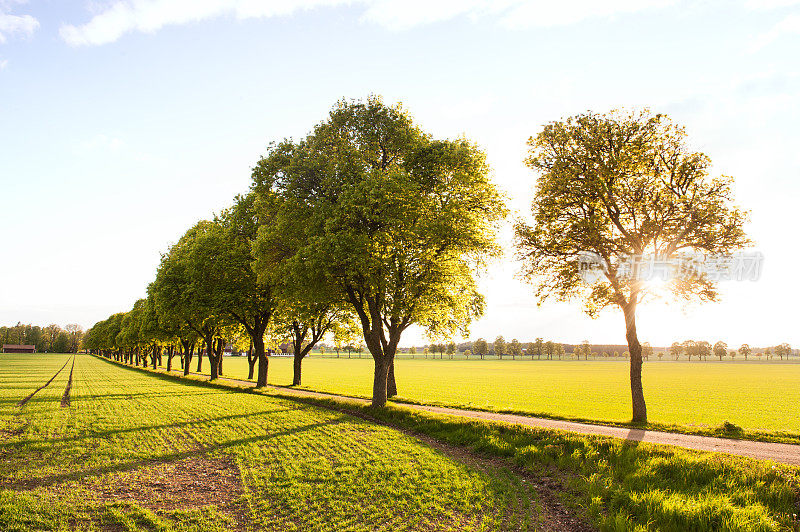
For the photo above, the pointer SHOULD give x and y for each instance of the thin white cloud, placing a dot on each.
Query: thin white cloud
(788, 26)
(3, 63)
(15, 24)
(126, 16)
(149, 16)
(564, 12)
(763, 5)
(403, 15)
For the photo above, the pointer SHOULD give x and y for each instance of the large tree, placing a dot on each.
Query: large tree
(720, 349)
(392, 221)
(621, 186)
(499, 346)
(481, 347)
(129, 338)
(229, 280)
(181, 291)
(783, 349)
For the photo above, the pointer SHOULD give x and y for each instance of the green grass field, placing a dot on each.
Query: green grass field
(755, 396)
(140, 452)
(134, 450)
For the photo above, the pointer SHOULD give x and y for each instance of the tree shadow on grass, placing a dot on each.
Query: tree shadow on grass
(635, 435)
(31, 445)
(122, 395)
(30, 484)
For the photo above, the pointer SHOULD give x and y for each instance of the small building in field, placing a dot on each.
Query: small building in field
(15, 348)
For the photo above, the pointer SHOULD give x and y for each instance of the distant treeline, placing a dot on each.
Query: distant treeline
(49, 339)
(568, 348)
(691, 349)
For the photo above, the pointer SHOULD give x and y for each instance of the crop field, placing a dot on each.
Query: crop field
(131, 451)
(98, 446)
(755, 396)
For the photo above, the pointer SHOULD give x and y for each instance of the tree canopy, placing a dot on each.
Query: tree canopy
(391, 221)
(621, 186)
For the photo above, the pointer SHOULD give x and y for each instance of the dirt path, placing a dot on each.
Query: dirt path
(45, 385)
(778, 452)
(65, 397)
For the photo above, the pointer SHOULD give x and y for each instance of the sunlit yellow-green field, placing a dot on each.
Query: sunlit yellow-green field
(754, 395)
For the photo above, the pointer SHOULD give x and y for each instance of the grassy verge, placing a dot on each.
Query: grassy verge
(725, 430)
(678, 394)
(624, 485)
(621, 485)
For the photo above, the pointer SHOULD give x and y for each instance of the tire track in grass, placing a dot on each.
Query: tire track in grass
(65, 397)
(45, 385)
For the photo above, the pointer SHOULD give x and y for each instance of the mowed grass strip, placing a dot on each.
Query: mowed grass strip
(755, 396)
(111, 460)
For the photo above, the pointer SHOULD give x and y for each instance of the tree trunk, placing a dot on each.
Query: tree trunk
(635, 350)
(212, 360)
(218, 354)
(187, 356)
(251, 362)
(170, 352)
(298, 369)
(214, 371)
(379, 383)
(391, 384)
(199, 361)
(263, 361)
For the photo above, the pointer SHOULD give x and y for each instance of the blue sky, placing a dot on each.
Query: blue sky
(123, 123)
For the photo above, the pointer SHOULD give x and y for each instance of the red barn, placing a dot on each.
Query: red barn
(13, 348)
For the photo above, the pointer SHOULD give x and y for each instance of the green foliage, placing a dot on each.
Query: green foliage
(179, 289)
(128, 337)
(481, 347)
(230, 277)
(50, 339)
(621, 185)
(188, 289)
(379, 215)
(499, 346)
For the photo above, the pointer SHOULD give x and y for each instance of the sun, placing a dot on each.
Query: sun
(656, 287)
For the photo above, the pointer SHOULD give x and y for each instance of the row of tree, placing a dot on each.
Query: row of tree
(206, 296)
(49, 339)
(365, 227)
(702, 350)
(370, 220)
